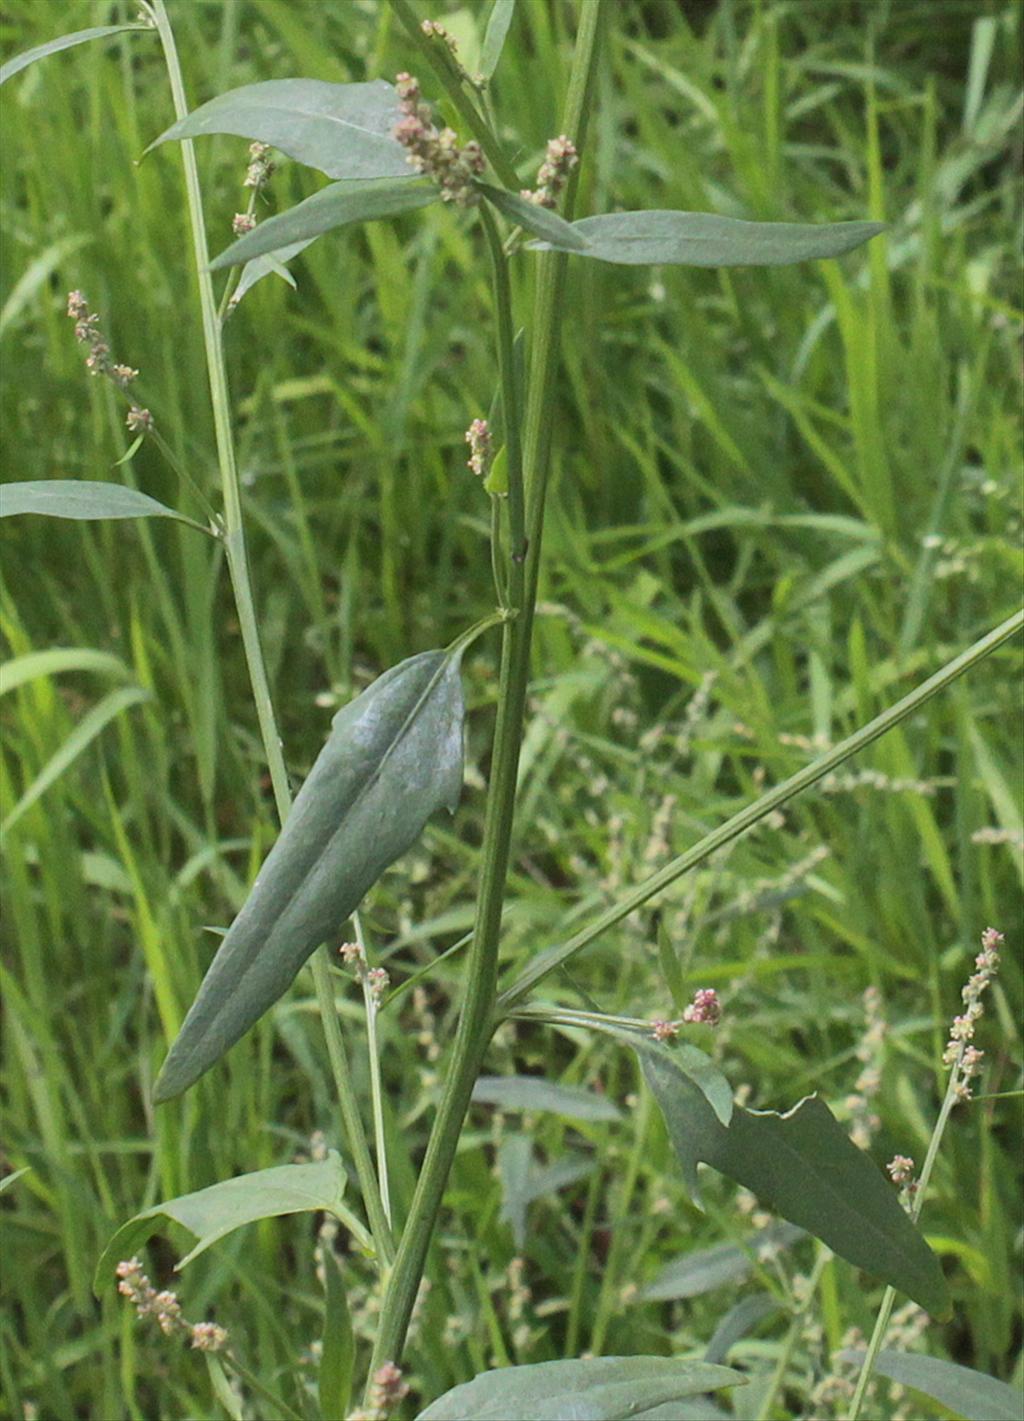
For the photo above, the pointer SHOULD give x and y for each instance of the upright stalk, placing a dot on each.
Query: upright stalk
(241, 584)
(889, 1296)
(476, 1019)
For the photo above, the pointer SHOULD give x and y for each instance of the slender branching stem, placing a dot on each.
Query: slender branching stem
(241, 583)
(511, 413)
(476, 1019)
(889, 1296)
(371, 1005)
(752, 814)
(796, 1327)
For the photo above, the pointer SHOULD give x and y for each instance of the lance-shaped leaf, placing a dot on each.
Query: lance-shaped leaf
(342, 129)
(705, 239)
(393, 759)
(597, 1389)
(539, 220)
(54, 46)
(803, 1166)
(535, 1093)
(210, 1214)
(498, 22)
(83, 499)
(968, 1393)
(334, 206)
(271, 263)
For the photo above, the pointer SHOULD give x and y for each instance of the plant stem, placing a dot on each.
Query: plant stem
(554, 957)
(241, 583)
(821, 1262)
(889, 1296)
(371, 1005)
(511, 413)
(476, 1019)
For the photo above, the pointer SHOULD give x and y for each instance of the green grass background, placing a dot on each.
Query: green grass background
(780, 499)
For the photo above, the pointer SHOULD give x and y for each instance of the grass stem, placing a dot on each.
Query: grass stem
(241, 583)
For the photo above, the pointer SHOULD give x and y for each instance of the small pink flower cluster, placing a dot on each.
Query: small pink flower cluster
(165, 1308)
(560, 159)
(376, 978)
(242, 222)
(435, 153)
(386, 1390)
(705, 1007)
(479, 439)
(98, 361)
(964, 1058)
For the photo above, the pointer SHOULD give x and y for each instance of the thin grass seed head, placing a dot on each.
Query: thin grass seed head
(960, 1054)
(98, 360)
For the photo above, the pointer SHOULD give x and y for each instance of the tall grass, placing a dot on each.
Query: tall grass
(779, 500)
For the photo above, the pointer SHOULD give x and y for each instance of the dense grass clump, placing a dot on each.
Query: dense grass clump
(780, 499)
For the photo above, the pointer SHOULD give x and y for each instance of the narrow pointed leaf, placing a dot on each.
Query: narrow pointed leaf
(738, 1322)
(338, 1344)
(54, 46)
(708, 1268)
(55, 660)
(84, 733)
(82, 499)
(535, 1093)
(539, 220)
(210, 1214)
(342, 129)
(705, 239)
(598, 1389)
(803, 1166)
(271, 263)
(334, 206)
(393, 759)
(970, 1394)
(498, 22)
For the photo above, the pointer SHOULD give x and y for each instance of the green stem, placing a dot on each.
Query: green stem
(796, 1326)
(436, 53)
(511, 413)
(241, 583)
(476, 1019)
(371, 1005)
(554, 957)
(889, 1296)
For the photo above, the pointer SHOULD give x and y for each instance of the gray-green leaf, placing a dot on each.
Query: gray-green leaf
(970, 1394)
(498, 22)
(271, 263)
(393, 759)
(598, 1389)
(804, 1167)
(707, 1268)
(342, 129)
(334, 206)
(54, 46)
(82, 499)
(705, 239)
(210, 1214)
(535, 1093)
(539, 220)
